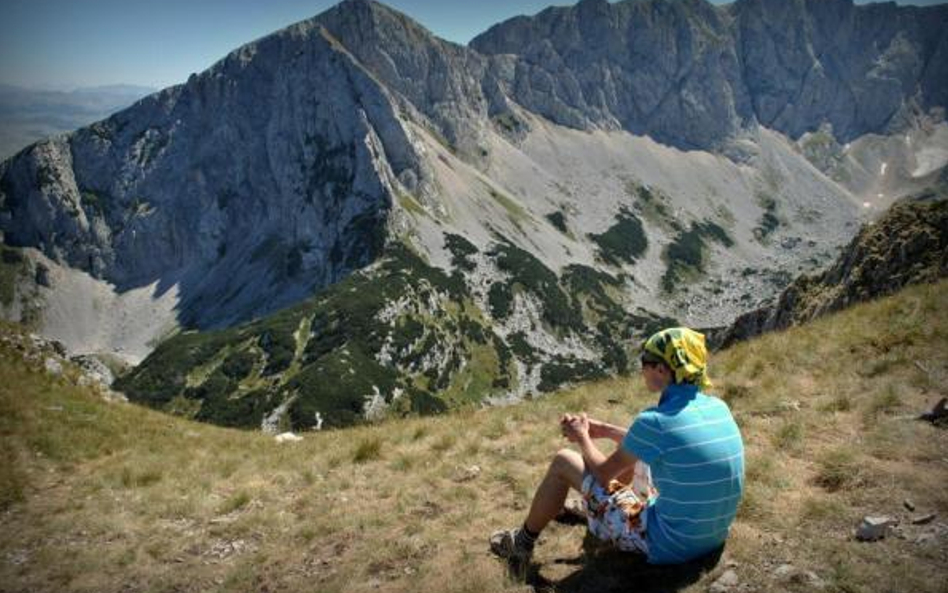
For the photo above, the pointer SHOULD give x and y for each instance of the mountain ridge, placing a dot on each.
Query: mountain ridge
(326, 151)
(746, 75)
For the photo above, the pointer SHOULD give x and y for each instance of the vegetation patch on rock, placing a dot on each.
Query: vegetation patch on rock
(623, 242)
(686, 256)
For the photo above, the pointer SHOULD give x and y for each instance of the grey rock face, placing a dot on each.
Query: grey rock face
(858, 68)
(255, 182)
(440, 79)
(666, 69)
(691, 74)
(274, 172)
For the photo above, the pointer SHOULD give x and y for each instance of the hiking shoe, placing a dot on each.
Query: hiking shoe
(504, 544)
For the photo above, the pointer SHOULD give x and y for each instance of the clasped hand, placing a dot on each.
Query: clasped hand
(574, 427)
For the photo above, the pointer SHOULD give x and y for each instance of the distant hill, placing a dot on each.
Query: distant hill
(29, 115)
(108, 497)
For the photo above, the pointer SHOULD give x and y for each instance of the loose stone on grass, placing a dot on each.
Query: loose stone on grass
(468, 473)
(788, 573)
(924, 519)
(874, 528)
(727, 581)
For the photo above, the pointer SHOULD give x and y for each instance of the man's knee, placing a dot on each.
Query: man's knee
(567, 462)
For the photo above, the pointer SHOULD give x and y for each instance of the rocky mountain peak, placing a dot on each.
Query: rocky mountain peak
(438, 78)
(354, 213)
(651, 66)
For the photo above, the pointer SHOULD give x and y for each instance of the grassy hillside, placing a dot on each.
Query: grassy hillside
(99, 496)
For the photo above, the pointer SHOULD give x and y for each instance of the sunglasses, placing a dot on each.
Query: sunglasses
(645, 361)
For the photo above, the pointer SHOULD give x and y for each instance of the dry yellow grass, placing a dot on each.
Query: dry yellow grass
(114, 497)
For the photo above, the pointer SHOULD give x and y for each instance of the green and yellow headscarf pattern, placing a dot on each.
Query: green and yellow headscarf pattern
(684, 351)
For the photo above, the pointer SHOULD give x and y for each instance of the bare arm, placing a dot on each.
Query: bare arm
(602, 468)
(603, 430)
(597, 428)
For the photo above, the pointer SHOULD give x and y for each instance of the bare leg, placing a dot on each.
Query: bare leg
(565, 472)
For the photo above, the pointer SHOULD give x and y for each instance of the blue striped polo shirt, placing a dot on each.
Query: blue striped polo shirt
(696, 455)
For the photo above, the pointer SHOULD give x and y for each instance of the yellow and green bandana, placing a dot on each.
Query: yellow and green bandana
(684, 351)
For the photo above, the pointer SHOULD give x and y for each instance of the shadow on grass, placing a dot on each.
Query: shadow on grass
(601, 568)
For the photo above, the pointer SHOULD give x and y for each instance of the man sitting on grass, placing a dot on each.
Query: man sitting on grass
(688, 447)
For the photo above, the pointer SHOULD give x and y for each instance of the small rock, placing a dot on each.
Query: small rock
(785, 571)
(468, 473)
(924, 538)
(789, 573)
(922, 520)
(938, 412)
(814, 579)
(790, 405)
(873, 528)
(42, 275)
(908, 504)
(17, 557)
(724, 582)
(93, 368)
(113, 396)
(287, 437)
(59, 348)
(53, 367)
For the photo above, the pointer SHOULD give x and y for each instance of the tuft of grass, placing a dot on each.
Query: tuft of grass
(763, 470)
(789, 436)
(839, 403)
(883, 402)
(12, 480)
(837, 470)
(444, 442)
(823, 510)
(496, 428)
(734, 392)
(131, 478)
(403, 462)
(234, 502)
(368, 449)
(755, 506)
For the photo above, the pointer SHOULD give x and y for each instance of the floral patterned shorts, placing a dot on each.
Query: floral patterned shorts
(616, 513)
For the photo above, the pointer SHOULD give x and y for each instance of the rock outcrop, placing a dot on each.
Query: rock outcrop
(908, 245)
(692, 74)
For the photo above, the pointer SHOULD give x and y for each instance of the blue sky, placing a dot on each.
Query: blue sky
(70, 43)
